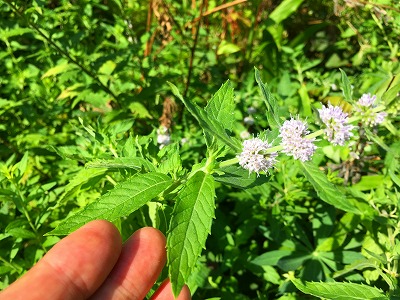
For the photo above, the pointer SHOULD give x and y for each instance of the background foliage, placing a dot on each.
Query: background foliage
(85, 81)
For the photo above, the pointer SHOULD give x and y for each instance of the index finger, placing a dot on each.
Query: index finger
(74, 268)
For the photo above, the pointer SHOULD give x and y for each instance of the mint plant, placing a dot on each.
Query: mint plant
(193, 191)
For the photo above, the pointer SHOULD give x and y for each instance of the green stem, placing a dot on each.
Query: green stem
(228, 162)
(315, 134)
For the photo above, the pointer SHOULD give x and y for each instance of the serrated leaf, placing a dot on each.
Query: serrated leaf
(207, 123)
(119, 163)
(270, 102)
(221, 108)
(239, 177)
(340, 290)
(325, 189)
(221, 105)
(346, 87)
(122, 200)
(190, 225)
(171, 161)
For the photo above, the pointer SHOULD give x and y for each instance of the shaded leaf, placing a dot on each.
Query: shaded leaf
(270, 258)
(239, 177)
(325, 189)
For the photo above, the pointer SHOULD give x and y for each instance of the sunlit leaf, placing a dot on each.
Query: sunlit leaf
(189, 228)
(122, 200)
(340, 290)
(326, 190)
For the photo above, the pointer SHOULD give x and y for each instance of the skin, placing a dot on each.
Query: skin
(92, 263)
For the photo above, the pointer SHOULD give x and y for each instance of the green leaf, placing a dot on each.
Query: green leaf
(271, 258)
(294, 260)
(21, 233)
(139, 110)
(346, 86)
(325, 189)
(305, 101)
(125, 198)
(82, 177)
(221, 106)
(11, 32)
(284, 10)
(356, 265)
(171, 161)
(346, 225)
(135, 163)
(207, 122)
(339, 290)
(227, 48)
(376, 139)
(189, 227)
(270, 102)
(239, 177)
(22, 165)
(61, 68)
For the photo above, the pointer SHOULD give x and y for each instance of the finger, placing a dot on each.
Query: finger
(142, 259)
(74, 268)
(164, 292)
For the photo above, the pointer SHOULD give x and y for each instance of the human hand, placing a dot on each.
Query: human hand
(92, 263)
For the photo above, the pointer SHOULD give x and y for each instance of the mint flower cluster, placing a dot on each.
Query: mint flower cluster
(294, 141)
(297, 141)
(335, 119)
(365, 109)
(255, 156)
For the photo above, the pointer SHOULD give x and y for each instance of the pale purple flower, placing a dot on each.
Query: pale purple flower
(293, 133)
(337, 131)
(364, 108)
(254, 157)
(380, 117)
(163, 136)
(367, 100)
